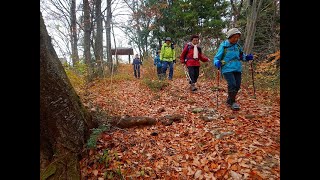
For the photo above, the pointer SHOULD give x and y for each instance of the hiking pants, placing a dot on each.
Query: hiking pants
(193, 73)
(136, 69)
(165, 65)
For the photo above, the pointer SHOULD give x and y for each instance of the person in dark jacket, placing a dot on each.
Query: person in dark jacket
(136, 66)
(191, 57)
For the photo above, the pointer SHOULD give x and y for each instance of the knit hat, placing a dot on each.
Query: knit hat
(232, 32)
(168, 39)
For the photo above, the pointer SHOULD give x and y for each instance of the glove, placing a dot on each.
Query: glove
(249, 57)
(174, 61)
(217, 64)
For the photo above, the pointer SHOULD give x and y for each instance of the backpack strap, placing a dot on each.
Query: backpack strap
(189, 47)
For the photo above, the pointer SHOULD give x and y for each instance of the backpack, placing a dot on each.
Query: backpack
(189, 47)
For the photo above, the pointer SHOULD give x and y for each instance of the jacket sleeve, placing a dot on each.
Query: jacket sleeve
(174, 55)
(161, 53)
(183, 54)
(203, 57)
(218, 55)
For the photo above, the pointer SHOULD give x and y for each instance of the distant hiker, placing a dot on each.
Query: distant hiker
(228, 60)
(158, 64)
(190, 56)
(136, 66)
(167, 55)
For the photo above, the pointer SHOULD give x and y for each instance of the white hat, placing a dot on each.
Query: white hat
(232, 31)
(168, 39)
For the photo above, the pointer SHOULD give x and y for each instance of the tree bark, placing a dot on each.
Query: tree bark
(74, 36)
(108, 35)
(99, 38)
(64, 122)
(87, 32)
(251, 25)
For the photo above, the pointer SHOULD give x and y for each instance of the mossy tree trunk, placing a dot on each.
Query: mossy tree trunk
(64, 122)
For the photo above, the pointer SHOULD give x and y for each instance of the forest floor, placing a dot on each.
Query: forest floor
(227, 144)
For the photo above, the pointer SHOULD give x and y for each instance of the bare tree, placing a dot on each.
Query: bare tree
(64, 12)
(236, 12)
(108, 34)
(254, 7)
(142, 16)
(99, 37)
(87, 32)
(64, 122)
(74, 35)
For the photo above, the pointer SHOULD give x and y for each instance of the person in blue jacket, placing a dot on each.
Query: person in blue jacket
(228, 60)
(136, 66)
(158, 64)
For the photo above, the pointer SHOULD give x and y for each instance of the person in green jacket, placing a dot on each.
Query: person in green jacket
(167, 56)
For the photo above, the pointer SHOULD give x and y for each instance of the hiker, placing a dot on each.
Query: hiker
(228, 60)
(190, 57)
(167, 55)
(136, 66)
(158, 64)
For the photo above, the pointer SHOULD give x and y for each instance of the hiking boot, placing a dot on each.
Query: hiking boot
(235, 106)
(193, 87)
(229, 102)
(231, 98)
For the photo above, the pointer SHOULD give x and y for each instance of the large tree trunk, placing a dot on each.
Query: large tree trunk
(99, 38)
(108, 34)
(74, 36)
(254, 9)
(87, 32)
(64, 122)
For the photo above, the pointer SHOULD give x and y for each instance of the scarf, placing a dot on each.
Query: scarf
(195, 52)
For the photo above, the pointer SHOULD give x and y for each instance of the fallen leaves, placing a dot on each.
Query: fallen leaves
(239, 145)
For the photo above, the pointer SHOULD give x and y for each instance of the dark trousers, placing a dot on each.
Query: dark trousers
(234, 81)
(136, 69)
(193, 73)
(159, 71)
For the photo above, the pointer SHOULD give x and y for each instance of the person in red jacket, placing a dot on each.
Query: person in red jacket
(190, 57)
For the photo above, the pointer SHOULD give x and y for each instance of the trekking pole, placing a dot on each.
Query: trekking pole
(218, 79)
(252, 76)
(187, 73)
